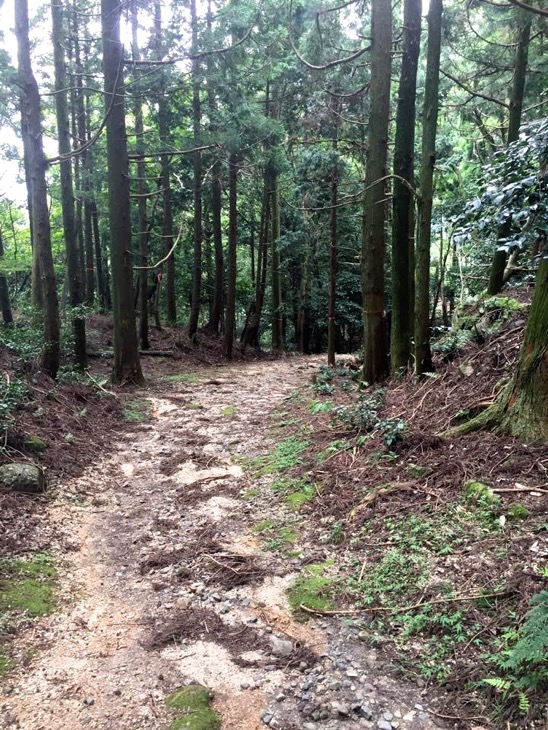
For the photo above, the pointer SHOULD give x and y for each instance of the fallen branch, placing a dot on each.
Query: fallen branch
(521, 489)
(420, 604)
(149, 353)
(380, 492)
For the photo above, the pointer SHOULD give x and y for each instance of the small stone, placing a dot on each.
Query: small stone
(244, 685)
(341, 709)
(384, 725)
(351, 673)
(310, 726)
(365, 712)
(281, 647)
(89, 701)
(420, 682)
(117, 692)
(266, 717)
(419, 707)
(388, 716)
(280, 697)
(305, 686)
(7, 689)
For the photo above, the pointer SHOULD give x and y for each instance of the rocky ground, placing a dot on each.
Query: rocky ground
(164, 582)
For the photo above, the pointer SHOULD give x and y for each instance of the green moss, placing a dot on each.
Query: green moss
(6, 664)
(194, 406)
(262, 526)
(35, 444)
(251, 492)
(295, 492)
(478, 492)
(26, 591)
(416, 471)
(228, 411)
(183, 378)
(314, 590)
(192, 705)
(517, 511)
(137, 410)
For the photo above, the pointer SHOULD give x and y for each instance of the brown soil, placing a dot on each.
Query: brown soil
(162, 578)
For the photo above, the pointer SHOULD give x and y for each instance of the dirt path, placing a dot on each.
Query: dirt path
(164, 583)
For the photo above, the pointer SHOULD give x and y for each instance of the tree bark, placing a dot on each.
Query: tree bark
(167, 214)
(142, 221)
(276, 279)
(127, 367)
(423, 355)
(333, 248)
(525, 412)
(30, 100)
(5, 305)
(375, 366)
(230, 322)
(520, 76)
(67, 191)
(403, 211)
(197, 169)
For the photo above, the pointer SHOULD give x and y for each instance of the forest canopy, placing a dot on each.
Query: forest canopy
(294, 176)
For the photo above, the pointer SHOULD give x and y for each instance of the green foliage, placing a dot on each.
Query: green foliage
(363, 417)
(192, 705)
(295, 492)
(27, 587)
(509, 208)
(137, 410)
(12, 393)
(524, 667)
(285, 455)
(312, 589)
(517, 511)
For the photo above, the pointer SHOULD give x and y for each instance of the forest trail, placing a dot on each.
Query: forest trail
(161, 548)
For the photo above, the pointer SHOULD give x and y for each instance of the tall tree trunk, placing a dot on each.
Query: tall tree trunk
(375, 365)
(127, 367)
(67, 191)
(526, 408)
(218, 285)
(39, 205)
(167, 214)
(423, 356)
(100, 263)
(84, 223)
(333, 249)
(403, 218)
(276, 279)
(250, 335)
(230, 316)
(142, 222)
(5, 305)
(216, 199)
(520, 75)
(197, 168)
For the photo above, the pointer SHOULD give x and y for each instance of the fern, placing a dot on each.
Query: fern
(524, 703)
(500, 684)
(532, 646)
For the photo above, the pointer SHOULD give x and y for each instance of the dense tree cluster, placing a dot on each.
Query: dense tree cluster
(259, 170)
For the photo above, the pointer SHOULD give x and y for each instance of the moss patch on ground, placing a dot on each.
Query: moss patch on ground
(313, 589)
(192, 705)
(137, 410)
(27, 590)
